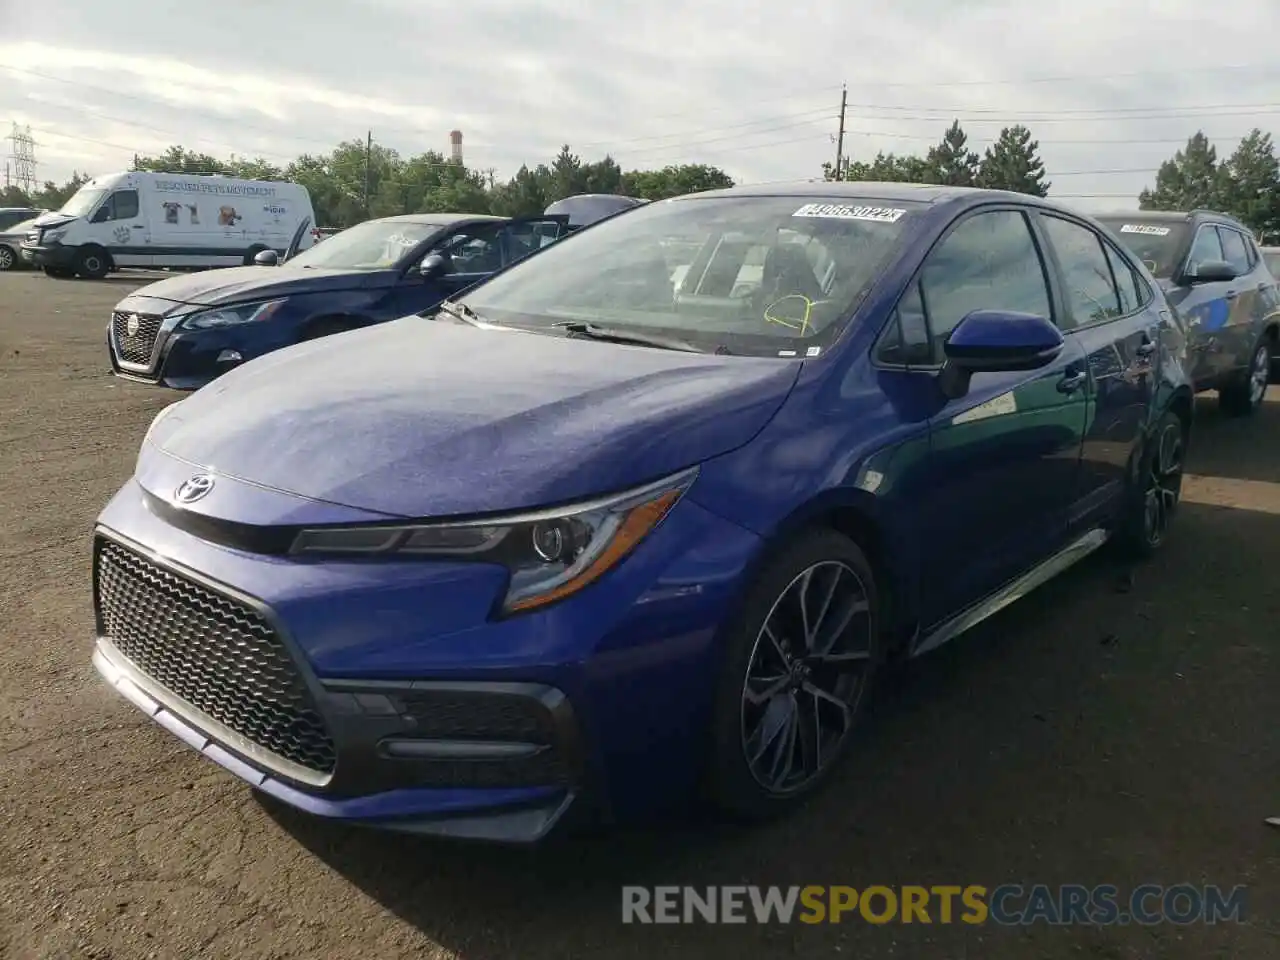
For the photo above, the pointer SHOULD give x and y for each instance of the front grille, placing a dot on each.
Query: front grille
(135, 347)
(215, 653)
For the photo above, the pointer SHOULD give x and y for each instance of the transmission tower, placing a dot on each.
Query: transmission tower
(23, 158)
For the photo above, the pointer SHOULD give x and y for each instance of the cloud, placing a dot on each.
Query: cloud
(754, 90)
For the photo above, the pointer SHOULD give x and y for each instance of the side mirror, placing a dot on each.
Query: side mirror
(997, 341)
(435, 265)
(1213, 271)
(266, 258)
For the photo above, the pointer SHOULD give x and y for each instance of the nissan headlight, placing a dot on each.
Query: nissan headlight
(550, 554)
(230, 316)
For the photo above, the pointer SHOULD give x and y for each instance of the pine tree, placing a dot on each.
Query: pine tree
(1013, 163)
(952, 161)
(1250, 180)
(1190, 180)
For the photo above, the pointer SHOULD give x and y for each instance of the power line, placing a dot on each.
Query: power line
(1263, 68)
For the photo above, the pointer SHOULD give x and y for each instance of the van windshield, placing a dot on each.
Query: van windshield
(84, 200)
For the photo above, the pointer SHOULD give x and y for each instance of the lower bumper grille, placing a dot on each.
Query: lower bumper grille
(135, 337)
(211, 651)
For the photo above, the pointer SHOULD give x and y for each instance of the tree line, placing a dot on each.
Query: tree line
(356, 181)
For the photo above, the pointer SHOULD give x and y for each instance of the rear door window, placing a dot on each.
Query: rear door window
(1235, 250)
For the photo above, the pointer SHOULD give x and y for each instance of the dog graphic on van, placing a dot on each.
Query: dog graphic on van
(195, 213)
(227, 217)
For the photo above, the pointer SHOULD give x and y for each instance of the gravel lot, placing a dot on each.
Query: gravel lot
(1110, 729)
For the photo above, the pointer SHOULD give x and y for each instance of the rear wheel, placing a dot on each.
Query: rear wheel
(8, 259)
(1242, 395)
(799, 660)
(1155, 490)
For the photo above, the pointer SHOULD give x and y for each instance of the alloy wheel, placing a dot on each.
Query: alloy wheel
(6, 258)
(805, 676)
(1259, 374)
(1164, 484)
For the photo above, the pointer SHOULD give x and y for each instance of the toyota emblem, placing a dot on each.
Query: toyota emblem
(194, 489)
(132, 326)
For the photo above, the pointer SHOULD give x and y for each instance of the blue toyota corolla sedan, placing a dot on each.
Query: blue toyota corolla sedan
(636, 520)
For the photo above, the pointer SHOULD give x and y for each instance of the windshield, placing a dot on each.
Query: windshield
(372, 245)
(1272, 259)
(1155, 243)
(769, 276)
(84, 200)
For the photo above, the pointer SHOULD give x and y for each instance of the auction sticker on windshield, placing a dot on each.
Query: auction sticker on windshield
(1145, 228)
(843, 211)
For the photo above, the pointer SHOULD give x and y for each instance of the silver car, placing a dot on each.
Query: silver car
(11, 245)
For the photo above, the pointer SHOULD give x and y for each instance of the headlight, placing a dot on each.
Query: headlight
(230, 316)
(551, 554)
(53, 236)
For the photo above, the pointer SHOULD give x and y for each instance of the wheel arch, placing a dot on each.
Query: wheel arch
(95, 247)
(862, 518)
(339, 319)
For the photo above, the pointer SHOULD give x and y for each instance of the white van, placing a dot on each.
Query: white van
(139, 219)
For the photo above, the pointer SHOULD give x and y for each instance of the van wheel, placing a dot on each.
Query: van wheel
(92, 263)
(799, 660)
(8, 259)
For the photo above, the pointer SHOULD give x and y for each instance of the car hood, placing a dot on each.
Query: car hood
(427, 418)
(212, 288)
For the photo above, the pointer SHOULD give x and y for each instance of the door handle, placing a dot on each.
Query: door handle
(1072, 381)
(139, 226)
(1231, 294)
(1263, 286)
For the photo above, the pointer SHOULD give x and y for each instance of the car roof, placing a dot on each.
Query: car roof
(1169, 216)
(859, 190)
(439, 219)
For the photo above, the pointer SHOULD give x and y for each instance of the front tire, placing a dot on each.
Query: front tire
(1242, 395)
(1155, 491)
(92, 263)
(799, 660)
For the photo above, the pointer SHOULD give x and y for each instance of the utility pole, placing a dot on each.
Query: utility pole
(493, 177)
(368, 161)
(24, 158)
(844, 103)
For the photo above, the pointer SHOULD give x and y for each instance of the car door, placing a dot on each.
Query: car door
(1003, 459)
(1205, 309)
(1111, 311)
(1246, 299)
(122, 227)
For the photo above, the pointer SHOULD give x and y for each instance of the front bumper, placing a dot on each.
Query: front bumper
(53, 255)
(438, 722)
(184, 359)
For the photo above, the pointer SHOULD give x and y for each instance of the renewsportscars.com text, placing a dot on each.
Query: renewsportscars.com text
(1005, 905)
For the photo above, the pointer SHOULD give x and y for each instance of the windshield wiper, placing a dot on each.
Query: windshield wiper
(614, 335)
(462, 312)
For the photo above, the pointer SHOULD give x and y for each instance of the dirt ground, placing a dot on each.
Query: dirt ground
(1109, 729)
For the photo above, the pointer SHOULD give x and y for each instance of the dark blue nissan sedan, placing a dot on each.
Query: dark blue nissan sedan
(185, 331)
(637, 519)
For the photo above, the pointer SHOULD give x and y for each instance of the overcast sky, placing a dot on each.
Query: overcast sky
(1110, 89)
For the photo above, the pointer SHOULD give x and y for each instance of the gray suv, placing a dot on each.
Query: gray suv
(1215, 278)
